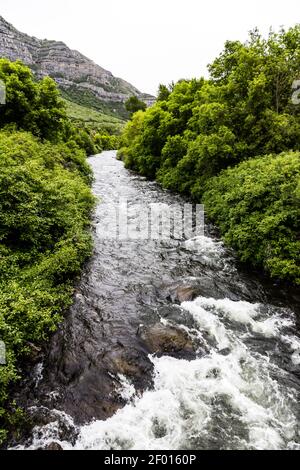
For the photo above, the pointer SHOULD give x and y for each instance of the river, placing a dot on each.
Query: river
(168, 345)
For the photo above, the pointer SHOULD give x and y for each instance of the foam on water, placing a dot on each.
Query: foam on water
(210, 252)
(193, 401)
(38, 373)
(51, 432)
(236, 399)
(205, 245)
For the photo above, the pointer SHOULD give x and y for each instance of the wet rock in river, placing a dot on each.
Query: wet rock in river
(53, 446)
(132, 363)
(35, 352)
(186, 293)
(225, 351)
(166, 339)
(203, 286)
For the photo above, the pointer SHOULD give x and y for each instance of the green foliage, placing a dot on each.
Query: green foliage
(86, 141)
(244, 110)
(133, 104)
(106, 141)
(198, 128)
(45, 205)
(32, 106)
(94, 131)
(93, 119)
(256, 205)
(163, 93)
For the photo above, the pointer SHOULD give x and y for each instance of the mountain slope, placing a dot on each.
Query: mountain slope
(93, 119)
(79, 78)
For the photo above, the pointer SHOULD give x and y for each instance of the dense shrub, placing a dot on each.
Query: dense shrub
(243, 110)
(256, 205)
(133, 104)
(106, 141)
(45, 205)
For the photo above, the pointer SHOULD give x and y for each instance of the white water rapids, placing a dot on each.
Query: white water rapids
(236, 394)
(239, 390)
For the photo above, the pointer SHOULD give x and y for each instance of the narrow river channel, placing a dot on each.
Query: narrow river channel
(169, 344)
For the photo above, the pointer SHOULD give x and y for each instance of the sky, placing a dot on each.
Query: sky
(148, 42)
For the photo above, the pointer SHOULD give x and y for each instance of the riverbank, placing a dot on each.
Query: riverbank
(167, 344)
(46, 204)
(232, 142)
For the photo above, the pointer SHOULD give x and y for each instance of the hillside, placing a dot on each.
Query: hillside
(92, 118)
(79, 78)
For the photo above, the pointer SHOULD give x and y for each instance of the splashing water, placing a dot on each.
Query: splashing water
(240, 391)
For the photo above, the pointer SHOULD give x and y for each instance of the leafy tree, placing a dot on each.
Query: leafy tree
(133, 104)
(106, 141)
(197, 128)
(163, 93)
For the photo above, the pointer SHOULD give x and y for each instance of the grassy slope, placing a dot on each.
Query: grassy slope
(93, 118)
(88, 99)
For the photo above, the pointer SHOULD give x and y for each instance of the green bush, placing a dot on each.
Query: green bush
(133, 104)
(256, 205)
(106, 141)
(45, 206)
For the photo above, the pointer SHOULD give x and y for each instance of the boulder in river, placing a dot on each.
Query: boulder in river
(166, 339)
(186, 293)
(53, 446)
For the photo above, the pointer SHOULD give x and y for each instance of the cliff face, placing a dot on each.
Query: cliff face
(79, 77)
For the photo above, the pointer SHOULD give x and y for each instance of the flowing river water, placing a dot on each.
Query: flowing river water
(168, 345)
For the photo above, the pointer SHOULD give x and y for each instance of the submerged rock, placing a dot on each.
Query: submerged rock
(186, 293)
(132, 363)
(166, 339)
(53, 446)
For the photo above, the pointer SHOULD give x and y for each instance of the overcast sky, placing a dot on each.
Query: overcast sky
(148, 42)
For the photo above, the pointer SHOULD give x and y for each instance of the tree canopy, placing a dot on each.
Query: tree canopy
(199, 127)
(45, 207)
(133, 104)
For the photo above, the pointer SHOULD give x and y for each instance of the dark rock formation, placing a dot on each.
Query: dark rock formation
(166, 339)
(53, 446)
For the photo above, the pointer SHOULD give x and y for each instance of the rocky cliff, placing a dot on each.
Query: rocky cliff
(79, 78)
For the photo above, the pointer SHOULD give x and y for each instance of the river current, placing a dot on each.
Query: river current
(222, 368)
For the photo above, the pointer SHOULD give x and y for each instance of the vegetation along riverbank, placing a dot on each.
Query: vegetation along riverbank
(45, 207)
(232, 141)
